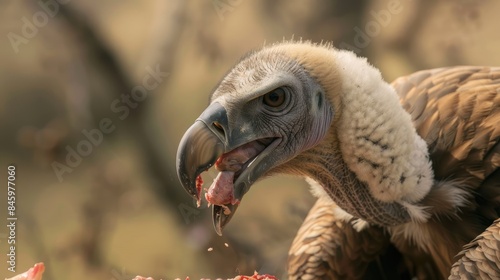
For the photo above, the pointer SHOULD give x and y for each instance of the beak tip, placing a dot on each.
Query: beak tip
(217, 219)
(221, 219)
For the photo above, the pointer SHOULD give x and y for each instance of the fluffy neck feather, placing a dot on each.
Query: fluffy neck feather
(377, 137)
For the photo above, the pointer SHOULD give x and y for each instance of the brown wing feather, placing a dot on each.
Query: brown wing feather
(457, 112)
(480, 259)
(327, 247)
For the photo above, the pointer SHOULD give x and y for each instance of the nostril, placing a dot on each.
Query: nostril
(218, 127)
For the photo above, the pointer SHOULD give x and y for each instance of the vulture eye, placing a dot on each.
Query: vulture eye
(275, 98)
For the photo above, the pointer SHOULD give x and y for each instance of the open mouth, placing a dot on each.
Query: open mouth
(231, 166)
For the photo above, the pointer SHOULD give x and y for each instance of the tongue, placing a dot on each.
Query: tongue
(222, 189)
(235, 159)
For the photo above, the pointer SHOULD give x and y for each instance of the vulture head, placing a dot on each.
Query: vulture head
(313, 111)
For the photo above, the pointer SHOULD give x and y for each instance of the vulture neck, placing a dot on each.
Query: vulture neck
(343, 186)
(373, 163)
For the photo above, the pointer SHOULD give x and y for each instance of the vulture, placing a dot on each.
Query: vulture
(407, 174)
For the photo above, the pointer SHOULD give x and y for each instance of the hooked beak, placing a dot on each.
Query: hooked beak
(220, 219)
(198, 150)
(204, 143)
(200, 147)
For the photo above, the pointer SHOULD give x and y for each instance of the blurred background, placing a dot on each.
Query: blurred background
(95, 96)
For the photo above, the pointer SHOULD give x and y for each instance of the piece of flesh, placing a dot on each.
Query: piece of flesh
(34, 273)
(256, 276)
(230, 164)
(221, 191)
(199, 184)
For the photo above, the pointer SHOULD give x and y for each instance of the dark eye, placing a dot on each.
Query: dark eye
(275, 98)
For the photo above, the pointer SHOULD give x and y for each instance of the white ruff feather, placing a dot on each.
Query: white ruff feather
(377, 138)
